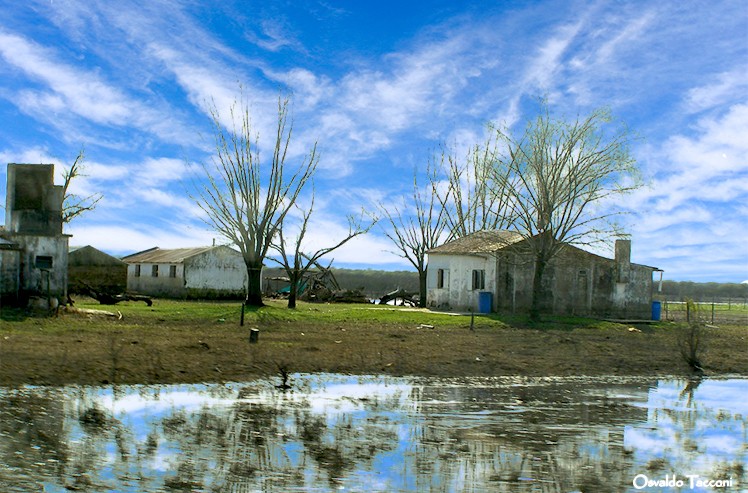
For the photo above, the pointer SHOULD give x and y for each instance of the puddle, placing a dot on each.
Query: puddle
(375, 433)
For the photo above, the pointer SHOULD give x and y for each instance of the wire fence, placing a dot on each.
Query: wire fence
(732, 311)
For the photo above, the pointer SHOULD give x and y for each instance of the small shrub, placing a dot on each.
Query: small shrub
(691, 341)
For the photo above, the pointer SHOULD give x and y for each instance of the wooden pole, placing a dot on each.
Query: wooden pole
(254, 336)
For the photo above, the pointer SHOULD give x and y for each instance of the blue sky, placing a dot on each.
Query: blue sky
(379, 86)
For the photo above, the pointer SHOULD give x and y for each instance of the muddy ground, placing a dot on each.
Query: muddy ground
(92, 351)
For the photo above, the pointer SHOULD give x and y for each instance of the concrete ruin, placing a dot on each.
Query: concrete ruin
(33, 248)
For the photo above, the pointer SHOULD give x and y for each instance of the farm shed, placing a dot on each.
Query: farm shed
(33, 249)
(89, 267)
(203, 272)
(494, 268)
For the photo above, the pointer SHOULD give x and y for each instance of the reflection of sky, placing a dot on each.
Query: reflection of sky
(693, 434)
(426, 431)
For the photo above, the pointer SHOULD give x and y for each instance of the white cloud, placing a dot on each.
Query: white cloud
(721, 91)
(694, 212)
(135, 236)
(70, 91)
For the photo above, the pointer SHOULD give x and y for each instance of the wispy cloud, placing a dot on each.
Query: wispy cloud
(133, 83)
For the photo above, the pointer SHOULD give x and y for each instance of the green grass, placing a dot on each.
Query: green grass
(216, 313)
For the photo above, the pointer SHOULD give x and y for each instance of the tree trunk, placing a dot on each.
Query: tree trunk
(254, 286)
(422, 288)
(537, 288)
(293, 289)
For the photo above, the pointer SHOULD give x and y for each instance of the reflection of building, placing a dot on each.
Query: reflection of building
(204, 272)
(500, 264)
(33, 250)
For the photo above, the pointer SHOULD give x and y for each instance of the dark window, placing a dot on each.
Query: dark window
(43, 262)
(440, 278)
(137, 271)
(172, 271)
(479, 279)
(154, 271)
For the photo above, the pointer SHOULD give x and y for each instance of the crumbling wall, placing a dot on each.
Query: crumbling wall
(33, 201)
(10, 266)
(33, 222)
(44, 265)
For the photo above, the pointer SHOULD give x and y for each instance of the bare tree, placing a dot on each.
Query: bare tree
(474, 191)
(246, 200)
(561, 174)
(420, 229)
(74, 205)
(297, 262)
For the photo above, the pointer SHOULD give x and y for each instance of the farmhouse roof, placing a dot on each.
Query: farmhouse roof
(158, 255)
(484, 241)
(88, 255)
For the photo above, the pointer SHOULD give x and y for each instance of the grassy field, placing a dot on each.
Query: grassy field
(177, 341)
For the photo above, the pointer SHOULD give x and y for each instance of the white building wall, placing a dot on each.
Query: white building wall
(219, 269)
(458, 292)
(161, 285)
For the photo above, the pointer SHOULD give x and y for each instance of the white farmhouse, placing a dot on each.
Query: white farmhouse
(492, 271)
(203, 272)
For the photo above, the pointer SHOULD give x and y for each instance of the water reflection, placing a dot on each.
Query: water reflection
(336, 432)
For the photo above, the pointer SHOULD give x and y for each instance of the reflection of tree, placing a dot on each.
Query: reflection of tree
(536, 436)
(250, 445)
(33, 445)
(687, 393)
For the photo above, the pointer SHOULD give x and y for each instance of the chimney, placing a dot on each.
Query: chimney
(623, 260)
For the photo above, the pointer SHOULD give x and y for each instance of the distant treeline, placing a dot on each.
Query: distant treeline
(703, 291)
(373, 283)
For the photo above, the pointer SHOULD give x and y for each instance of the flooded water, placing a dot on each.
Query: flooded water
(344, 433)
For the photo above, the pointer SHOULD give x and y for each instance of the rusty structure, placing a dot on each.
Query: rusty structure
(33, 248)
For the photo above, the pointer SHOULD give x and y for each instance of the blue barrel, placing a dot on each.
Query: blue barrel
(656, 310)
(485, 301)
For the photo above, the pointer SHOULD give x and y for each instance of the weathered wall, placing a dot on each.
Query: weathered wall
(33, 277)
(33, 201)
(33, 221)
(215, 273)
(10, 266)
(457, 292)
(160, 285)
(574, 283)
